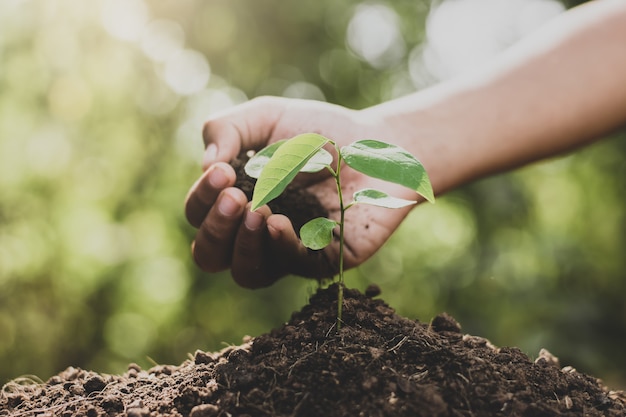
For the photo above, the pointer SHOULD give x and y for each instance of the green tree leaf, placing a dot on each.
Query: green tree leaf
(390, 163)
(318, 162)
(255, 165)
(287, 160)
(380, 199)
(317, 233)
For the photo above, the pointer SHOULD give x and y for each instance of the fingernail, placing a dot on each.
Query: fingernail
(210, 153)
(273, 231)
(228, 206)
(217, 178)
(253, 220)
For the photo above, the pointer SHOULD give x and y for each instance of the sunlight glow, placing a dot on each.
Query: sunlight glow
(465, 34)
(129, 334)
(373, 35)
(161, 39)
(124, 19)
(187, 72)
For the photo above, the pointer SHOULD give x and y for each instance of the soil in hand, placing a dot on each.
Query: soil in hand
(295, 202)
(378, 364)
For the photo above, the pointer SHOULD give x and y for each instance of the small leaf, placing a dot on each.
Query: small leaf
(390, 163)
(380, 199)
(318, 162)
(284, 165)
(255, 165)
(317, 233)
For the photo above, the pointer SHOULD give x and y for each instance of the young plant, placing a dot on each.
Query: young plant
(277, 165)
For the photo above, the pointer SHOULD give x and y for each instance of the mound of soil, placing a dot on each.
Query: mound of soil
(377, 364)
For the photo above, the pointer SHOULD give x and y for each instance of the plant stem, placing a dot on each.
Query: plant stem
(341, 223)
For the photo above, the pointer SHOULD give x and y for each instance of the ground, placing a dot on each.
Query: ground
(377, 364)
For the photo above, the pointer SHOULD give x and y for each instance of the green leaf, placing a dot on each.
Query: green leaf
(317, 233)
(318, 162)
(255, 165)
(380, 199)
(287, 160)
(390, 163)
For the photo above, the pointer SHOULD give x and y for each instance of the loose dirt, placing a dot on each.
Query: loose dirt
(378, 364)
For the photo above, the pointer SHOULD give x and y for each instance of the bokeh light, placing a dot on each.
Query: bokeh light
(464, 35)
(373, 34)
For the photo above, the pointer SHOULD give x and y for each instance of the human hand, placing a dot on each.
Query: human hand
(260, 247)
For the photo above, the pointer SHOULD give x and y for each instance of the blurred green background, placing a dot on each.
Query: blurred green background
(101, 108)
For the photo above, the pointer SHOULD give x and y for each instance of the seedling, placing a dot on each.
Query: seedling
(278, 164)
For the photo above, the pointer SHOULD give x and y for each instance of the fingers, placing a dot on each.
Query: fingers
(248, 126)
(267, 248)
(297, 259)
(252, 266)
(259, 247)
(205, 191)
(213, 247)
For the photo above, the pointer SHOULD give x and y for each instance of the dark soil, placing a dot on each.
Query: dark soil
(378, 364)
(296, 203)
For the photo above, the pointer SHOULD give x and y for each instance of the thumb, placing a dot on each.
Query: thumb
(243, 127)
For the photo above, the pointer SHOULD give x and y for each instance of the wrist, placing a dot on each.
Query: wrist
(422, 131)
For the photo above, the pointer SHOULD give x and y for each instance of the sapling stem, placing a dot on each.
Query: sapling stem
(342, 215)
(277, 165)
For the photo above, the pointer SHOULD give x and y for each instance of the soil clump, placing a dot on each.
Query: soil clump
(377, 364)
(295, 202)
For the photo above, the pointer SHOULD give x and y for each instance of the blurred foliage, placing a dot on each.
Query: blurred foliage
(101, 108)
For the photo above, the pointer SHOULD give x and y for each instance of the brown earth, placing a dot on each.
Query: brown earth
(377, 364)
(295, 202)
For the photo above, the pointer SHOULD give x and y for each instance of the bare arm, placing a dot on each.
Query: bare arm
(558, 89)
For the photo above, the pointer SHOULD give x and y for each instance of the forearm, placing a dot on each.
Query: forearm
(556, 90)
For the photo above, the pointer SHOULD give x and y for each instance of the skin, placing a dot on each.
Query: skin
(559, 89)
